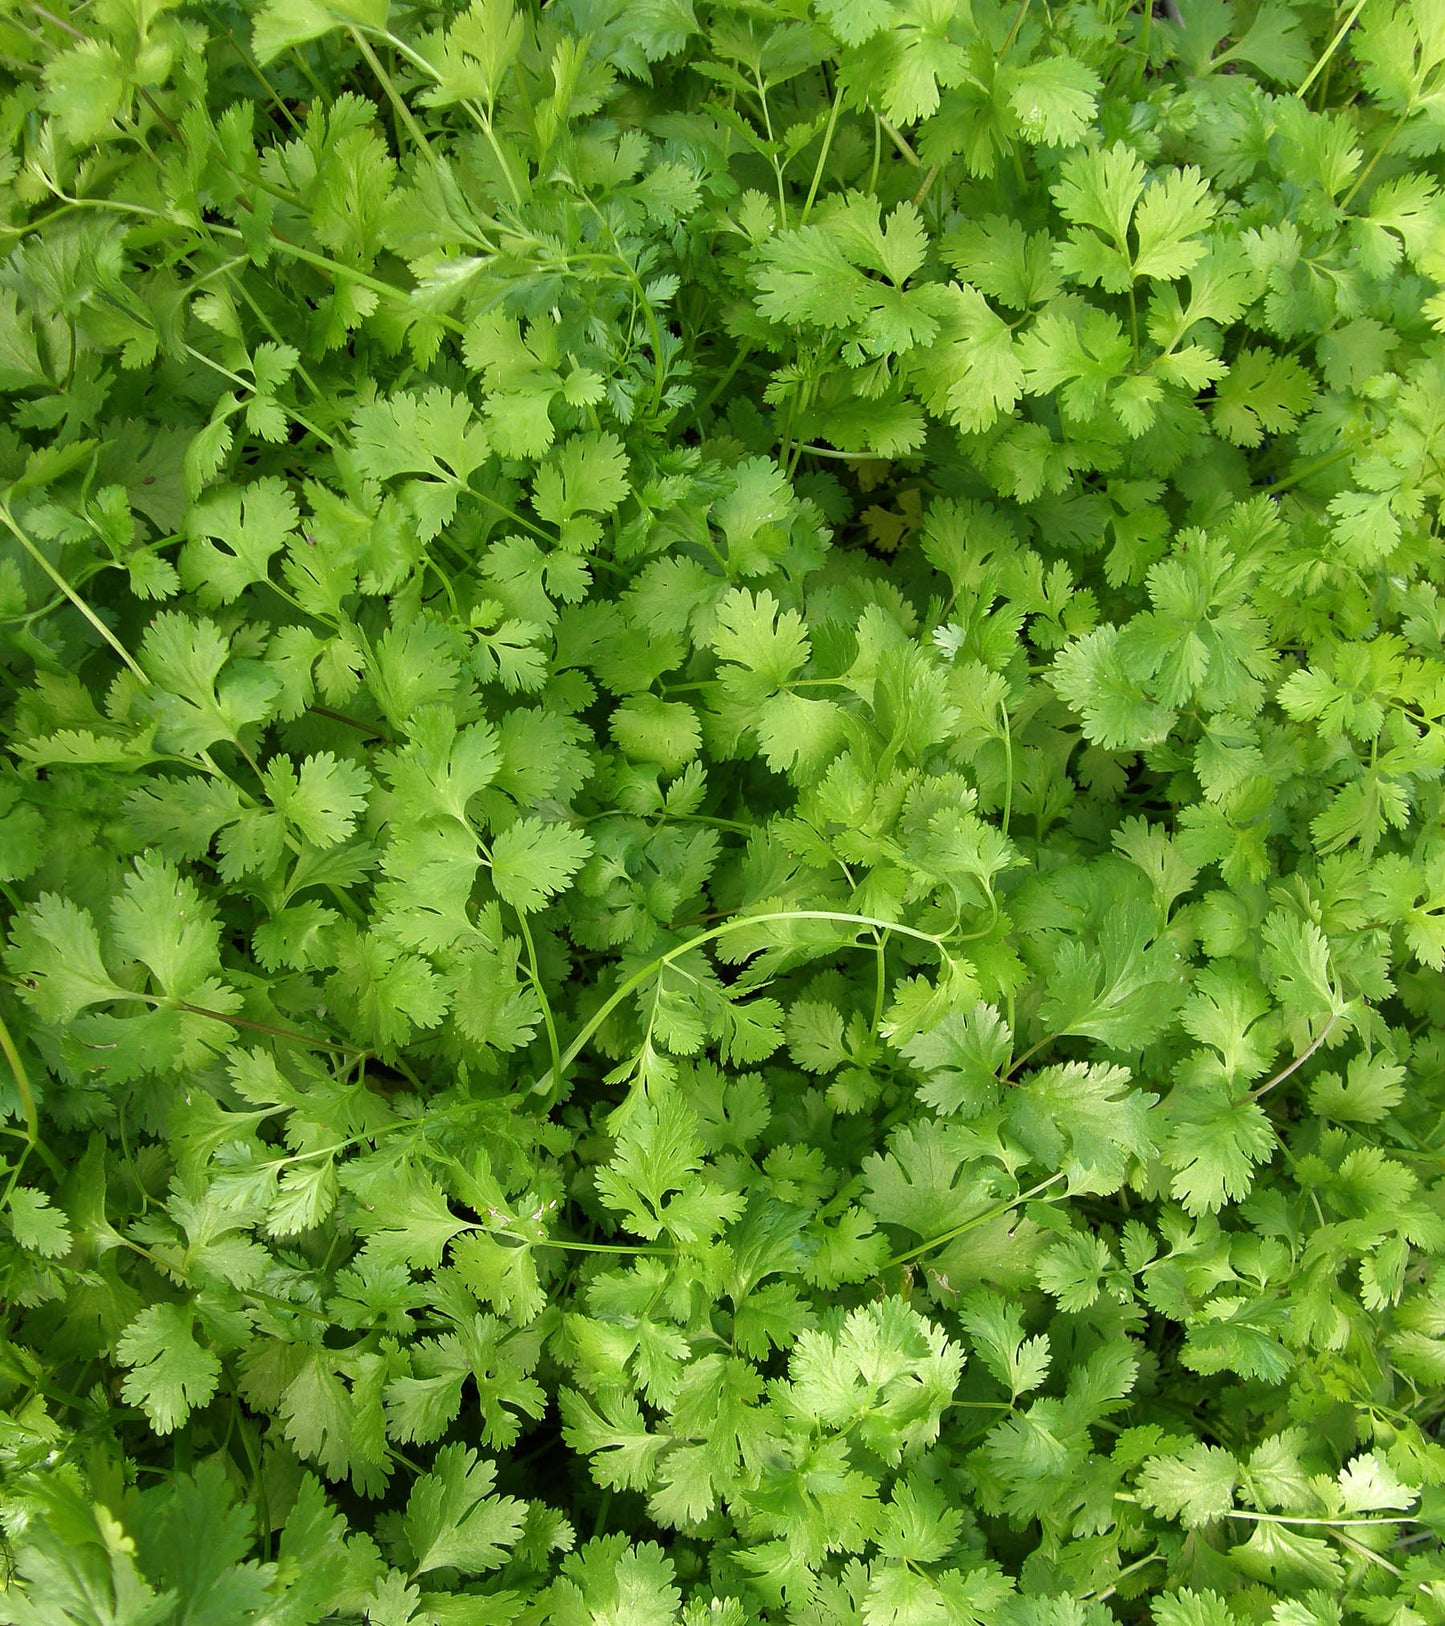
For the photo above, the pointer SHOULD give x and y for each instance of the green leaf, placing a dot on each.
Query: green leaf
(970, 374)
(612, 1580)
(322, 799)
(1122, 989)
(161, 920)
(532, 861)
(472, 59)
(1214, 1144)
(996, 1330)
(54, 954)
(234, 535)
(283, 24)
(1054, 99)
(1083, 1119)
(1171, 215)
(884, 1370)
(650, 729)
(171, 1373)
(587, 476)
(36, 1225)
(452, 1519)
(1196, 1486)
(1262, 394)
(962, 1058)
(766, 643)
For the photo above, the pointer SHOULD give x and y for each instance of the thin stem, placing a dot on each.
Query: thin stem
(474, 112)
(269, 1028)
(1008, 751)
(969, 1224)
(484, 123)
(1377, 155)
(250, 385)
(1144, 34)
(739, 923)
(1369, 1553)
(843, 457)
(353, 722)
(1032, 1050)
(535, 978)
(1292, 1518)
(1014, 27)
(243, 50)
(772, 149)
(822, 155)
(11, 1051)
(56, 22)
(22, 1083)
(393, 95)
(880, 989)
(901, 143)
(624, 1249)
(335, 268)
(1311, 468)
(110, 638)
(1299, 1060)
(644, 304)
(741, 356)
(926, 186)
(1113, 1587)
(1330, 49)
(270, 327)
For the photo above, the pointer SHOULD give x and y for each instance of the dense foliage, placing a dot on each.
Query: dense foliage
(721, 830)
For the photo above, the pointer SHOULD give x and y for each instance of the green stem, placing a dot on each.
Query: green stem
(1315, 466)
(249, 384)
(393, 95)
(349, 273)
(11, 1051)
(484, 123)
(901, 143)
(79, 603)
(843, 457)
(1299, 1060)
(1291, 1518)
(535, 978)
(772, 149)
(927, 184)
(270, 1029)
(969, 1224)
(1014, 27)
(1008, 751)
(622, 1249)
(56, 22)
(880, 989)
(1331, 48)
(1377, 155)
(822, 156)
(22, 1083)
(479, 118)
(1144, 33)
(626, 989)
(742, 355)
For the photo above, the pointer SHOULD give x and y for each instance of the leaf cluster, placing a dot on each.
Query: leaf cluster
(722, 883)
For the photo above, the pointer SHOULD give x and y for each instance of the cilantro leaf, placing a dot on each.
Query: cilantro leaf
(171, 1373)
(532, 861)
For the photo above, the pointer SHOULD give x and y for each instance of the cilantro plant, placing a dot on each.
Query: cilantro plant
(721, 848)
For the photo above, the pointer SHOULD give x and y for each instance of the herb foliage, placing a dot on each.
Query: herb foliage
(721, 835)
